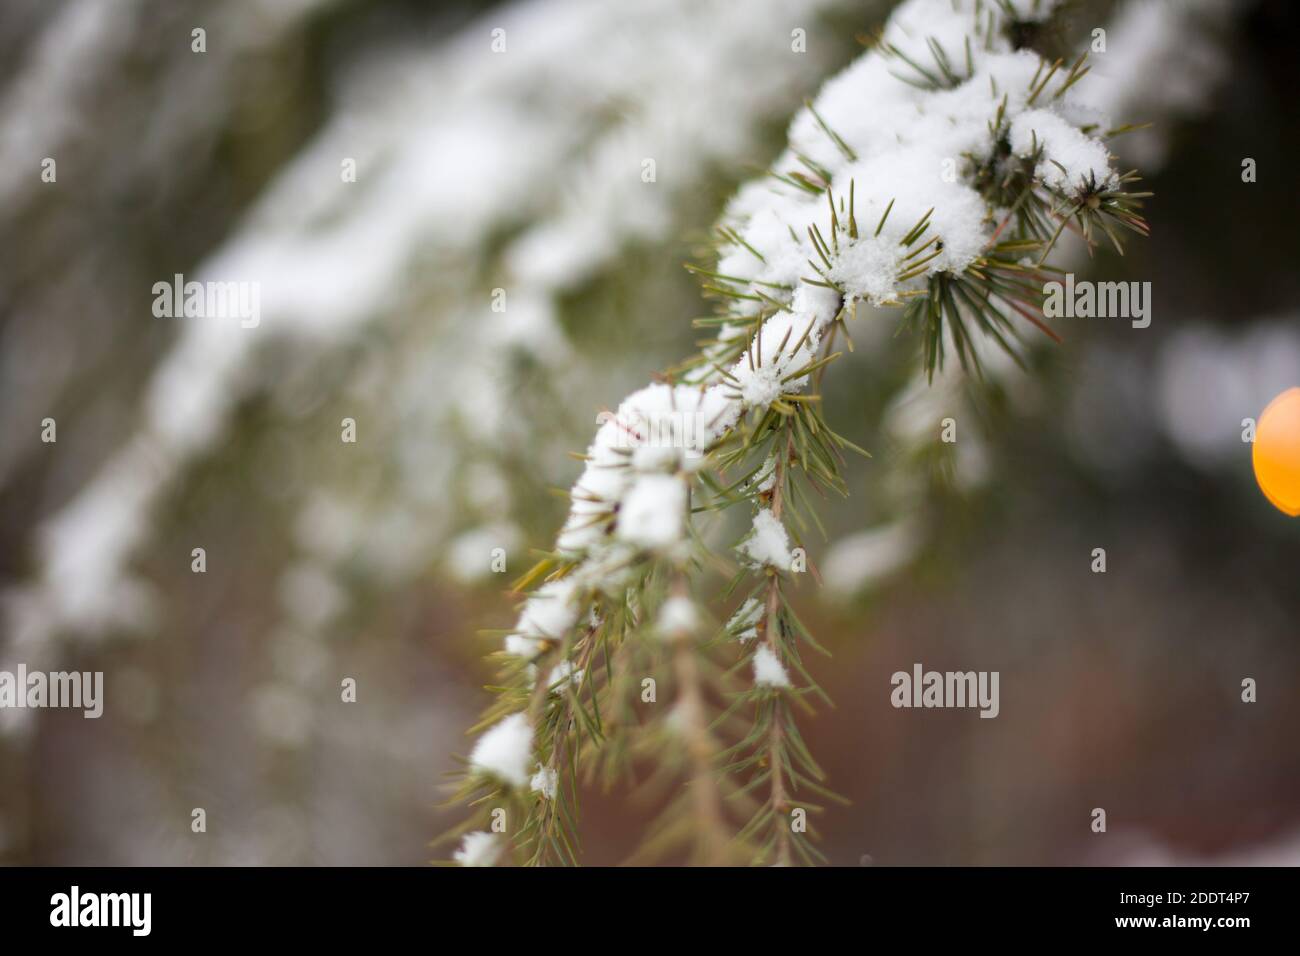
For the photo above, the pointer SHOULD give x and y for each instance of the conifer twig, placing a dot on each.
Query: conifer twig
(771, 639)
(742, 422)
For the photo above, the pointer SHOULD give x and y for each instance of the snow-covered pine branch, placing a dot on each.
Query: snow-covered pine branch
(1162, 64)
(934, 174)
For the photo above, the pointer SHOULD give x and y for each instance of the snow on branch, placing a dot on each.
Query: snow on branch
(934, 174)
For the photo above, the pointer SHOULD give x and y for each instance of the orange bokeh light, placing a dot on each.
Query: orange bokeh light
(1276, 454)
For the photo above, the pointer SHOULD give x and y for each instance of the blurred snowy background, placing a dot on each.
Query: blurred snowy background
(521, 171)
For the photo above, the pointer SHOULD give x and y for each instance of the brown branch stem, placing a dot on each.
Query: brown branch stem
(700, 752)
(776, 732)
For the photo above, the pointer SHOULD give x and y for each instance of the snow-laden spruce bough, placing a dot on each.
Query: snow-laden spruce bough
(934, 174)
